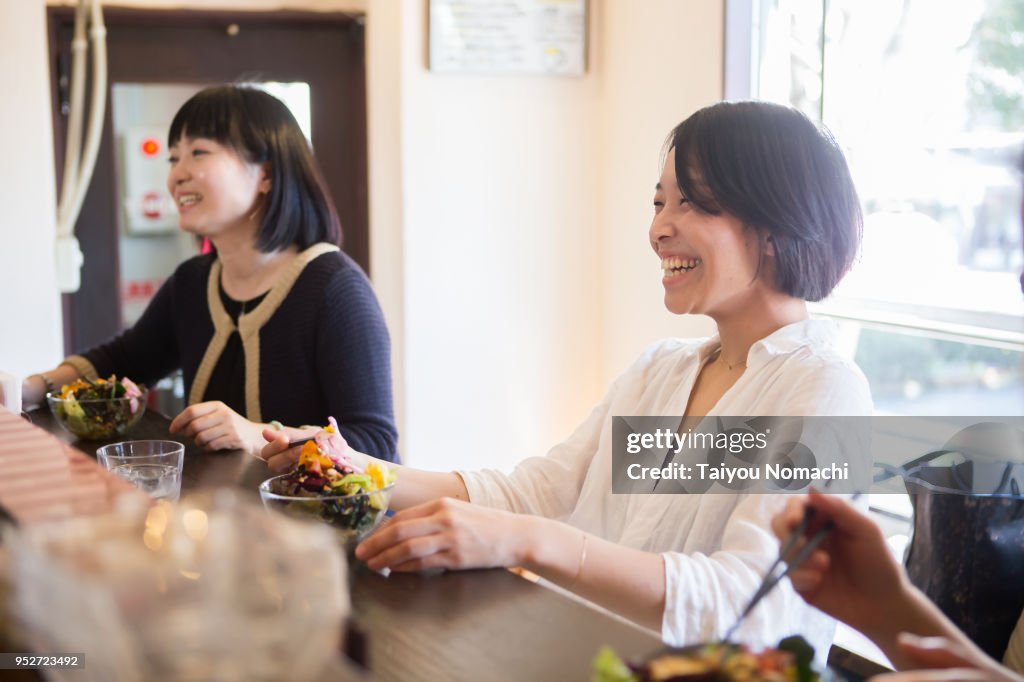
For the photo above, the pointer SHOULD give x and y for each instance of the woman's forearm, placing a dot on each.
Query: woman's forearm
(915, 614)
(415, 486)
(627, 581)
(33, 388)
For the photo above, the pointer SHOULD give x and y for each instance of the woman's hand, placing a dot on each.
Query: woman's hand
(945, 660)
(852, 576)
(279, 457)
(33, 391)
(215, 426)
(447, 533)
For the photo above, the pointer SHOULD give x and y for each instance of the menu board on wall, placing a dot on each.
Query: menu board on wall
(508, 36)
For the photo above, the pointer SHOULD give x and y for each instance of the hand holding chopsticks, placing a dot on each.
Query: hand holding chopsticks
(788, 560)
(854, 577)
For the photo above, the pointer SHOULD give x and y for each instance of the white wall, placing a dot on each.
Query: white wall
(508, 217)
(384, 115)
(502, 237)
(662, 60)
(30, 331)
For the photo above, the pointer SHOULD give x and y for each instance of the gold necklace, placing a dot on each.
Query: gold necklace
(718, 356)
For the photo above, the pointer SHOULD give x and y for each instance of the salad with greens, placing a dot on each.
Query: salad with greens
(791, 661)
(340, 493)
(99, 408)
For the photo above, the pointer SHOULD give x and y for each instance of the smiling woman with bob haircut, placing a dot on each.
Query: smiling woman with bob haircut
(754, 214)
(277, 324)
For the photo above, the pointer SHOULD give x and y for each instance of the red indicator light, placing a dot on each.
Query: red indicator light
(150, 147)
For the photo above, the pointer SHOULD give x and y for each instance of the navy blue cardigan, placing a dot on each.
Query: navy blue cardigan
(324, 350)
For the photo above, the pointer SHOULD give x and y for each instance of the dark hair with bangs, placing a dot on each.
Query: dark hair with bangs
(770, 167)
(261, 129)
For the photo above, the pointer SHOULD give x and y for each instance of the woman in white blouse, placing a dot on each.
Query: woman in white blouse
(754, 214)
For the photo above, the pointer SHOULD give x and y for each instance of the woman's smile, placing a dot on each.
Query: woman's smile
(678, 269)
(186, 200)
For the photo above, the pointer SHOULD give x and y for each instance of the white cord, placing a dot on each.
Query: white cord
(78, 166)
(73, 142)
(97, 112)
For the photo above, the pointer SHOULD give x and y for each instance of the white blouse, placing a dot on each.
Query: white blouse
(716, 547)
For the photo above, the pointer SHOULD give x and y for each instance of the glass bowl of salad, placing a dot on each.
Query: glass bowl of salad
(98, 409)
(792, 660)
(324, 488)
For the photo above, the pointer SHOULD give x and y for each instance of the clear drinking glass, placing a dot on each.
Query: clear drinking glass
(152, 465)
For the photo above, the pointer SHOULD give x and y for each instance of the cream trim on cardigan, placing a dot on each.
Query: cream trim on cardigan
(249, 325)
(81, 365)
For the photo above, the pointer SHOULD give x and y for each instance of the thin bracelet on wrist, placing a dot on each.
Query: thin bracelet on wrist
(579, 569)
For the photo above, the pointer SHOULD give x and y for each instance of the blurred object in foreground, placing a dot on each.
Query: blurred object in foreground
(213, 588)
(43, 478)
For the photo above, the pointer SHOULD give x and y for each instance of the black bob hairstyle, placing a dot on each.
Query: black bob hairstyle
(260, 129)
(770, 167)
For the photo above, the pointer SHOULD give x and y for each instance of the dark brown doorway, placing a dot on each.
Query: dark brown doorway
(324, 50)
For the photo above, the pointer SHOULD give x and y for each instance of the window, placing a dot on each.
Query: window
(929, 108)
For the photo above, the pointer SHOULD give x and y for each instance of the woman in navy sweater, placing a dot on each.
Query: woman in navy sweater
(277, 324)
